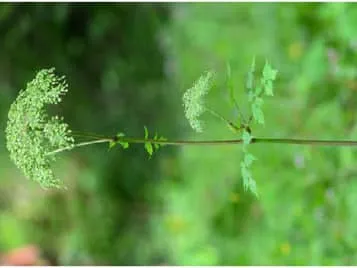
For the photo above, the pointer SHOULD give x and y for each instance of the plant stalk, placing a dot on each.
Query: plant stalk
(311, 142)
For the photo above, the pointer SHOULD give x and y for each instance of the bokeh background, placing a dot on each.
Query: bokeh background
(127, 66)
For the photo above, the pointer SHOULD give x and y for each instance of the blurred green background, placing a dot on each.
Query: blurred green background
(127, 66)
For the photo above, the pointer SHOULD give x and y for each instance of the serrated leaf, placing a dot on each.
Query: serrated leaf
(268, 72)
(257, 111)
(249, 183)
(246, 175)
(268, 88)
(149, 148)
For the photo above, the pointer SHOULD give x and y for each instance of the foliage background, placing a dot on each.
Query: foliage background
(127, 66)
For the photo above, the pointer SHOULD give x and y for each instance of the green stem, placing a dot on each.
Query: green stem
(253, 141)
(311, 142)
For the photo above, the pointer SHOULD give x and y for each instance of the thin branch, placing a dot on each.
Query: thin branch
(221, 117)
(79, 145)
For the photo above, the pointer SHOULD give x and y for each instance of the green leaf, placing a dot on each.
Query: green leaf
(249, 183)
(258, 90)
(249, 82)
(162, 139)
(124, 144)
(246, 137)
(268, 72)
(258, 115)
(146, 133)
(149, 148)
(112, 144)
(248, 159)
(257, 111)
(251, 96)
(268, 88)
(250, 76)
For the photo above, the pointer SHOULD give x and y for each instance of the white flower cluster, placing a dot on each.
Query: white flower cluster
(31, 135)
(193, 100)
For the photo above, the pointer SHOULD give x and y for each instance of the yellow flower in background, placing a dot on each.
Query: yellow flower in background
(285, 248)
(234, 197)
(175, 224)
(295, 50)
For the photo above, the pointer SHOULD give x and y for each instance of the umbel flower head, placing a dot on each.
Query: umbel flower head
(193, 100)
(31, 134)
